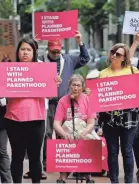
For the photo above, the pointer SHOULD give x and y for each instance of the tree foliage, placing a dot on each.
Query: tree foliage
(6, 9)
(91, 12)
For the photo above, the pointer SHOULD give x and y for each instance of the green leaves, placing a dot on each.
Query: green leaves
(81, 4)
(6, 9)
(37, 5)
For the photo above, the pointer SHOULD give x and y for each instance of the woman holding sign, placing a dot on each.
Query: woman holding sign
(25, 122)
(119, 123)
(78, 102)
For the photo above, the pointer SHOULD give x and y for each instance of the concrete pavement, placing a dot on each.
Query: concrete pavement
(52, 177)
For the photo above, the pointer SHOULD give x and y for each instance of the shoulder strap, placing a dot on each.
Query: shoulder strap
(72, 112)
(138, 64)
(131, 68)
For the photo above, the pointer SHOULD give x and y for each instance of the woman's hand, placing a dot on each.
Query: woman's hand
(87, 91)
(58, 80)
(137, 38)
(67, 136)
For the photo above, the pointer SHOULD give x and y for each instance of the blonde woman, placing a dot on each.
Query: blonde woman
(119, 124)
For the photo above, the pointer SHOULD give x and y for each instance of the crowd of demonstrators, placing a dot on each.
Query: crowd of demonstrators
(25, 117)
(119, 123)
(83, 112)
(66, 64)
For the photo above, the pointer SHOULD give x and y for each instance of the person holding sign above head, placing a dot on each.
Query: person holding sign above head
(25, 122)
(74, 118)
(119, 123)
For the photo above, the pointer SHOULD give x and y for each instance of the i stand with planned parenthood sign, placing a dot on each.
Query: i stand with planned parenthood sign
(30, 79)
(53, 25)
(114, 93)
(74, 156)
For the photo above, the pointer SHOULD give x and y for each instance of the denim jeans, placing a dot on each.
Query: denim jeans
(126, 136)
(5, 173)
(136, 147)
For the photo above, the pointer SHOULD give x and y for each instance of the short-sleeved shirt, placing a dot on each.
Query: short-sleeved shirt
(26, 109)
(82, 109)
(109, 73)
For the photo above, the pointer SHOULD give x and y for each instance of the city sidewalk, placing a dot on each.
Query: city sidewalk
(52, 177)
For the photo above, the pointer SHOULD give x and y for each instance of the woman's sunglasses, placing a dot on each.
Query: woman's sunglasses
(118, 55)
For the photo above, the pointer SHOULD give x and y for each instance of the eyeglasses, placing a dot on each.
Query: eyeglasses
(76, 85)
(118, 55)
(55, 52)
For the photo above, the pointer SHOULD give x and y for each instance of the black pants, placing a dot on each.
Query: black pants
(49, 129)
(26, 136)
(136, 147)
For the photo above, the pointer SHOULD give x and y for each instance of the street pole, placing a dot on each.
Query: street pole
(110, 26)
(118, 13)
(127, 7)
(32, 2)
(14, 24)
(67, 40)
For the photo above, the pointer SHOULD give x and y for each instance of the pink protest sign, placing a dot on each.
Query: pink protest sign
(104, 155)
(28, 79)
(77, 156)
(53, 25)
(114, 93)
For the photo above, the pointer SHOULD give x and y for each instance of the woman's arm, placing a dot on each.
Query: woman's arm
(134, 45)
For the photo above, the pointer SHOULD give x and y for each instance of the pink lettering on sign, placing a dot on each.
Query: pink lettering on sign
(76, 156)
(28, 79)
(114, 93)
(53, 25)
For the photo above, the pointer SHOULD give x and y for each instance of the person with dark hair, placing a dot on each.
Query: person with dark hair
(119, 124)
(66, 64)
(27, 49)
(5, 173)
(25, 122)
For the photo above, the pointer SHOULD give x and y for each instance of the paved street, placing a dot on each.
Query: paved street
(52, 177)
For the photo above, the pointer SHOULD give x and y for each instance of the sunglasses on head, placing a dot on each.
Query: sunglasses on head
(55, 52)
(116, 53)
